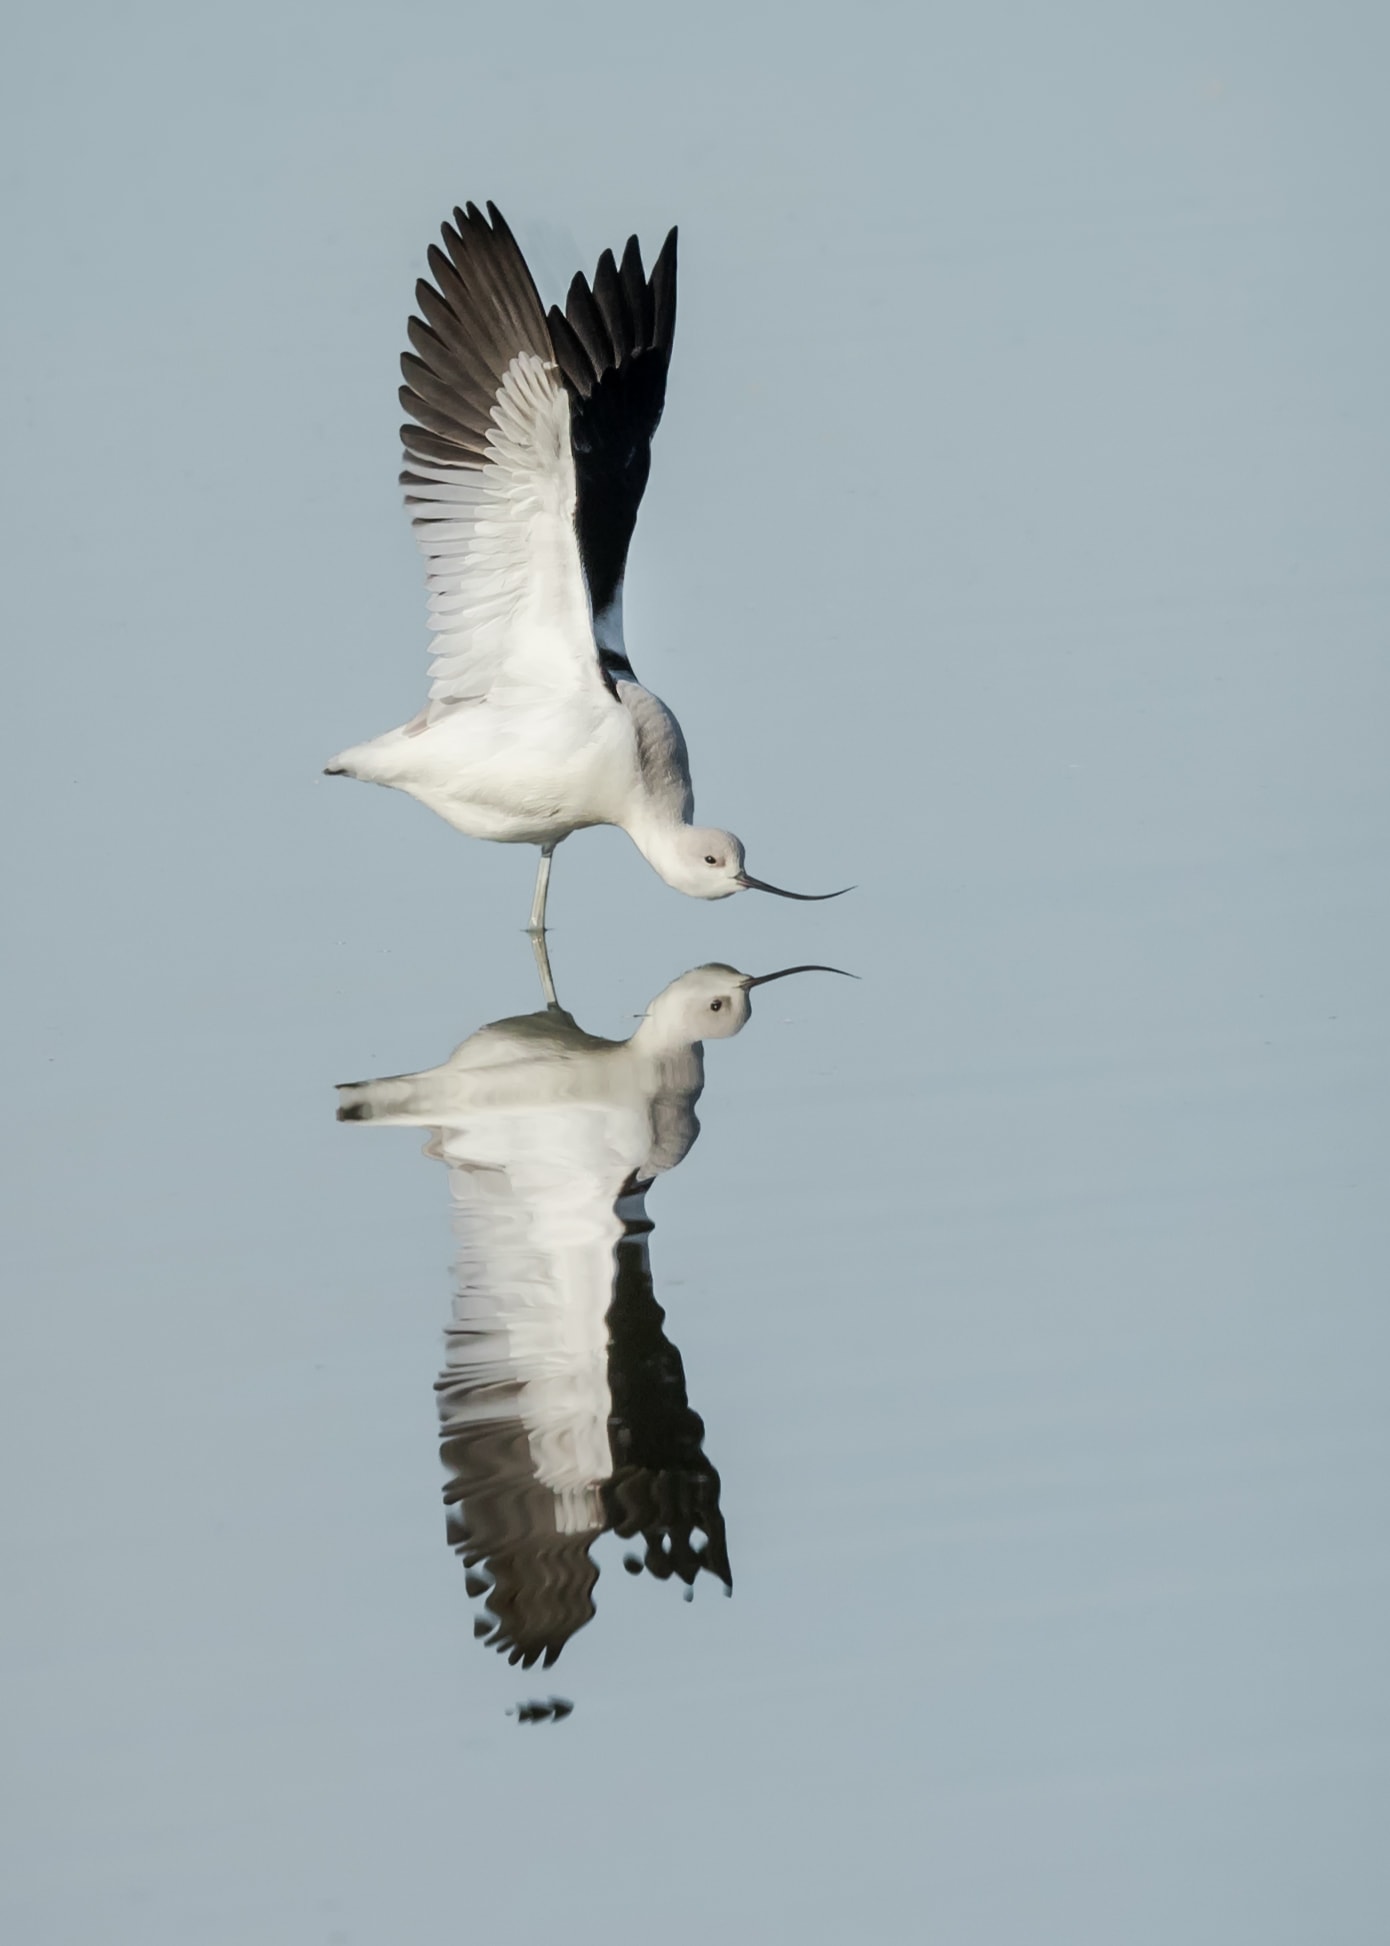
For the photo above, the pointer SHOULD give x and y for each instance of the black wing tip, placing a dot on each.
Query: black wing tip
(664, 263)
(623, 310)
(663, 288)
(480, 310)
(612, 344)
(469, 219)
(575, 364)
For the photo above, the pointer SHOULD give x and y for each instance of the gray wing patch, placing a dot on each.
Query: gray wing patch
(661, 751)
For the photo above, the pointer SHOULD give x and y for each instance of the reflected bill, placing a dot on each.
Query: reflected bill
(563, 1406)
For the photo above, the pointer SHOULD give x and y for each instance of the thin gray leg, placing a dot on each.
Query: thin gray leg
(543, 968)
(542, 887)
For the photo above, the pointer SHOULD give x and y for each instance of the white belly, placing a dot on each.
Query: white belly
(516, 776)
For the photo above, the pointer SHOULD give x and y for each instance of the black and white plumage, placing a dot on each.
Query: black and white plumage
(563, 1406)
(526, 456)
(613, 345)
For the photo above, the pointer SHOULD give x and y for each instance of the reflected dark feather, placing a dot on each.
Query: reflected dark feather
(538, 1584)
(534, 1475)
(553, 1710)
(662, 1487)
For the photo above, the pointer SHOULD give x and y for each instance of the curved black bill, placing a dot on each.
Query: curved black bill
(761, 885)
(763, 979)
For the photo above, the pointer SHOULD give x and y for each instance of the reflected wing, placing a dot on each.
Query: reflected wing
(613, 345)
(524, 1400)
(490, 477)
(663, 1488)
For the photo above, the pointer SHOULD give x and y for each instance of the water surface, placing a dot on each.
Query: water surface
(1013, 1335)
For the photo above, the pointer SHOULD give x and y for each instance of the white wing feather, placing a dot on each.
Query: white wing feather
(509, 607)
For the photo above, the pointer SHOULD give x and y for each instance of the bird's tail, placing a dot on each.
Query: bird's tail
(380, 760)
(344, 764)
(389, 1100)
(398, 1100)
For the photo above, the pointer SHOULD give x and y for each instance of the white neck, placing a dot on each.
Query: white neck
(665, 800)
(657, 838)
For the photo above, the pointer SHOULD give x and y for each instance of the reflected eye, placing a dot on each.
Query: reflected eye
(710, 859)
(715, 1005)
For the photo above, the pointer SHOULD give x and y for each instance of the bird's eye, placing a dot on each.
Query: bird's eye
(715, 1005)
(710, 858)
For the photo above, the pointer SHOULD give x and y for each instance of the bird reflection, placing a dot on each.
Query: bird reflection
(562, 1403)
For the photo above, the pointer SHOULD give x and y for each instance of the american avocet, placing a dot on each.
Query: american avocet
(525, 465)
(563, 1409)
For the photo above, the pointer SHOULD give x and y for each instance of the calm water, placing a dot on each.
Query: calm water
(1005, 1327)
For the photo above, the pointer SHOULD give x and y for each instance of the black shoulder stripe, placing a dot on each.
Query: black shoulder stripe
(613, 668)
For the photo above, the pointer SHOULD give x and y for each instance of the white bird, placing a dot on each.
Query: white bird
(562, 1406)
(525, 467)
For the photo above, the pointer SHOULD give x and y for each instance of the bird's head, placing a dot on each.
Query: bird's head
(709, 1003)
(706, 863)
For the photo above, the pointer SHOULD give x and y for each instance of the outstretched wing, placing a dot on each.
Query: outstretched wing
(613, 343)
(490, 476)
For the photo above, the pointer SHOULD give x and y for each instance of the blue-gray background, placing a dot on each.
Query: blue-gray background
(1015, 547)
